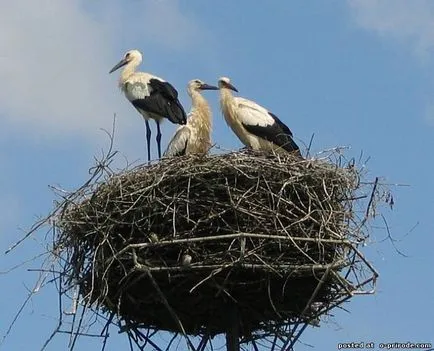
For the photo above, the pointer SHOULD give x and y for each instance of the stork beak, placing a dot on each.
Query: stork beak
(208, 87)
(230, 86)
(121, 63)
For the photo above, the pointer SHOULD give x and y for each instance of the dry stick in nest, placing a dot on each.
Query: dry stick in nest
(145, 269)
(308, 304)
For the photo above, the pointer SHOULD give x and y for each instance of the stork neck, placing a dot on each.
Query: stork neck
(226, 97)
(197, 99)
(128, 70)
(200, 111)
(226, 93)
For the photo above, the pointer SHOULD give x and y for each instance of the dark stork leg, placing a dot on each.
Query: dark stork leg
(158, 138)
(148, 139)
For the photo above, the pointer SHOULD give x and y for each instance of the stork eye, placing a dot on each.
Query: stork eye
(127, 55)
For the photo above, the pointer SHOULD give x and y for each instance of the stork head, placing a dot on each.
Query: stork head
(225, 82)
(197, 84)
(130, 56)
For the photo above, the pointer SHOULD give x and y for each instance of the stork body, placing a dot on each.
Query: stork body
(253, 124)
(195, 136)
(152, 96)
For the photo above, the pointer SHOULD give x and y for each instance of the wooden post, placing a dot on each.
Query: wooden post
(233, 329)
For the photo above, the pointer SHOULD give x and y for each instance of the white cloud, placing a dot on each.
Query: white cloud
(52, 67)
(55, 56)
(157, 22)
(407, 21)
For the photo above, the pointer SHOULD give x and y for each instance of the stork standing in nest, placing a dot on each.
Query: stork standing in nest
(152, 96)
(195, 136)
(254, 125)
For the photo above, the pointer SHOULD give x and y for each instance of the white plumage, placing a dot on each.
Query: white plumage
(195, 136)
(254, 125)
(178, 144)
(152, 96)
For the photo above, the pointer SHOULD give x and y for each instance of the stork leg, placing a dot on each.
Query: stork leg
(158, 138)
(148, 139)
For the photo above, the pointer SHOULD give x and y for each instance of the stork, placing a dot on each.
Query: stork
(152, 96)
(254, 125)
(195, 136)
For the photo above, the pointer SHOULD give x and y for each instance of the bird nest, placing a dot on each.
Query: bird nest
(243, 242)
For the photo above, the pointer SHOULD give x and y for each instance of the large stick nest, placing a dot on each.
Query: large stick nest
(185, 243)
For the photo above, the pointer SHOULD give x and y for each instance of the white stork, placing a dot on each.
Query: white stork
(254, 125)
(195, 136)
(152, 96)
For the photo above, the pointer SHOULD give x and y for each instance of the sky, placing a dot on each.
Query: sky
(355, 73)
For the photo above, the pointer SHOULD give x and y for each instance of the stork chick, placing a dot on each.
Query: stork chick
(152, 96)
(195, 136)
(254, 125)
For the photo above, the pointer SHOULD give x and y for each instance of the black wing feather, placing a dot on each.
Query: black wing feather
(278, 133)
(162, 101)
(281, 124)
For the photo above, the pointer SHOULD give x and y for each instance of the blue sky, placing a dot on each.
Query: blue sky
(357, 73)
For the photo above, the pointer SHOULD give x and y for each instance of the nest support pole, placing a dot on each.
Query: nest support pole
(233, 329)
